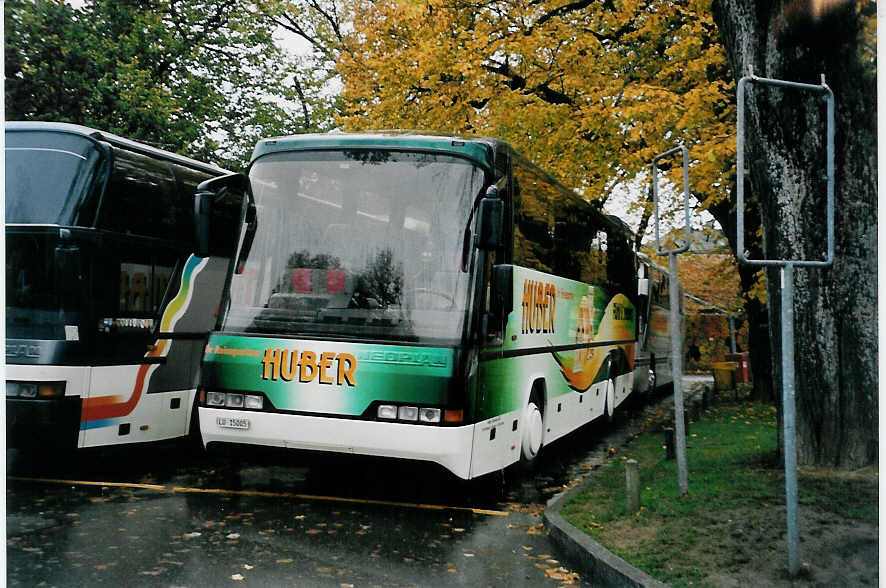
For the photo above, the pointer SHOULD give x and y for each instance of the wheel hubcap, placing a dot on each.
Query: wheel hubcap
(533, 432)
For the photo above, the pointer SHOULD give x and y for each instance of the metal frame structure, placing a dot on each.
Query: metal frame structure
(787, 290)
(676, 331)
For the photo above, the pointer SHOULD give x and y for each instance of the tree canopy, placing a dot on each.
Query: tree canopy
(590, 91)
(206, 79)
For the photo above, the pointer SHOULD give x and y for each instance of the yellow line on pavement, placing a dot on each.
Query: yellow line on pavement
(260, 493)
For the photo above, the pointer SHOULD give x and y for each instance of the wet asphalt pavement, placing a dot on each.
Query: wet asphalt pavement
(169, 515)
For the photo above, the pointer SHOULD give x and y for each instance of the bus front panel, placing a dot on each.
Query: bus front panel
(371, 399)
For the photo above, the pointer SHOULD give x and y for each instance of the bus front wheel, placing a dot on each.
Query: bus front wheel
(533, 430)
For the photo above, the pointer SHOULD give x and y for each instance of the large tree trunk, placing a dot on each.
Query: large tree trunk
(835, 308)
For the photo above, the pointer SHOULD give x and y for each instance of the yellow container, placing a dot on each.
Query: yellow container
(724, 375)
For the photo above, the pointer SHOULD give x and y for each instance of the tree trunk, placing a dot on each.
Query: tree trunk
(835, 309)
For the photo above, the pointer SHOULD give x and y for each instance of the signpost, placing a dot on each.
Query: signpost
(676, 317)
(787, 291)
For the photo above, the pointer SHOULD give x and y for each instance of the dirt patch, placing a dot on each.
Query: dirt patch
(749, 548)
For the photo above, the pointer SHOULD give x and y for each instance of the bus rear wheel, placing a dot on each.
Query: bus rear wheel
(533, 430)
(609, 407)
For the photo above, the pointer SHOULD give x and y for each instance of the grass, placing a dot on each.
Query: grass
(732, 470)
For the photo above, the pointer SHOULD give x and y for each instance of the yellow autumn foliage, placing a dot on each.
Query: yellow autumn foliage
(589, 90)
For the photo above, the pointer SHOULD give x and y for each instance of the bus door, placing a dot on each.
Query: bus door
(132, 279)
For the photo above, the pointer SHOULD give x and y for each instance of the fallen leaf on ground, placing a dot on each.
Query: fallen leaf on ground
(563, 575)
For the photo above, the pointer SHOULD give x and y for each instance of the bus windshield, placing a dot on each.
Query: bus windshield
(47, 174)
(362, 244)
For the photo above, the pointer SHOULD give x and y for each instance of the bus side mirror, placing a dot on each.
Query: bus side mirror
(502, 291)
(489, 221)
(216, 204)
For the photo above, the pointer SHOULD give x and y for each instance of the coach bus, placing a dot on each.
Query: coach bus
(421, 297)
(107, 308)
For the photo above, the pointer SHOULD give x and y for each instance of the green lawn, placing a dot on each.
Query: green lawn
(732, 474)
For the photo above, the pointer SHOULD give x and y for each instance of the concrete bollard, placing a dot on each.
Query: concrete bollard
(670, 443)
(632, 479)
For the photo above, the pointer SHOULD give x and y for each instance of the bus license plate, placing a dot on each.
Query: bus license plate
(232, 422)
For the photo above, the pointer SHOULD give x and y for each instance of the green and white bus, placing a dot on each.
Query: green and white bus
(420, 297)
(107, 308)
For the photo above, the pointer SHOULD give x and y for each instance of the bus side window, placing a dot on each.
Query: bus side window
(593, 269)
(620, 271)
(533, 221)
(141, 199)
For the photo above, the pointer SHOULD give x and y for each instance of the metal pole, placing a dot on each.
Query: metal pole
(789, 408)
(677, 368)
(676, 318)
(790, 413)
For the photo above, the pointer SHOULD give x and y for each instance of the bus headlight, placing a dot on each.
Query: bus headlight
(234, 400)
(254, 402)
(429, 415)
(408, 413)
(215, 398)
(386, 411)
(42, 390)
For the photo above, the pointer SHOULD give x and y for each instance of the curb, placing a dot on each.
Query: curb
(594, 561)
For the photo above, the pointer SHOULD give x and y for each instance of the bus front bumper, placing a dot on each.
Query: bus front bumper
(449, 447)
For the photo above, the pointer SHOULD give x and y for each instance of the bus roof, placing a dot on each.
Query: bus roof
(115, 140)
(478, 149)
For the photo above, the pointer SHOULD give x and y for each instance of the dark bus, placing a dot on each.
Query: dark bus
(107, 307)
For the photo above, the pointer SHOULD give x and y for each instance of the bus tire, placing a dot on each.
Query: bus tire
(533, 432)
